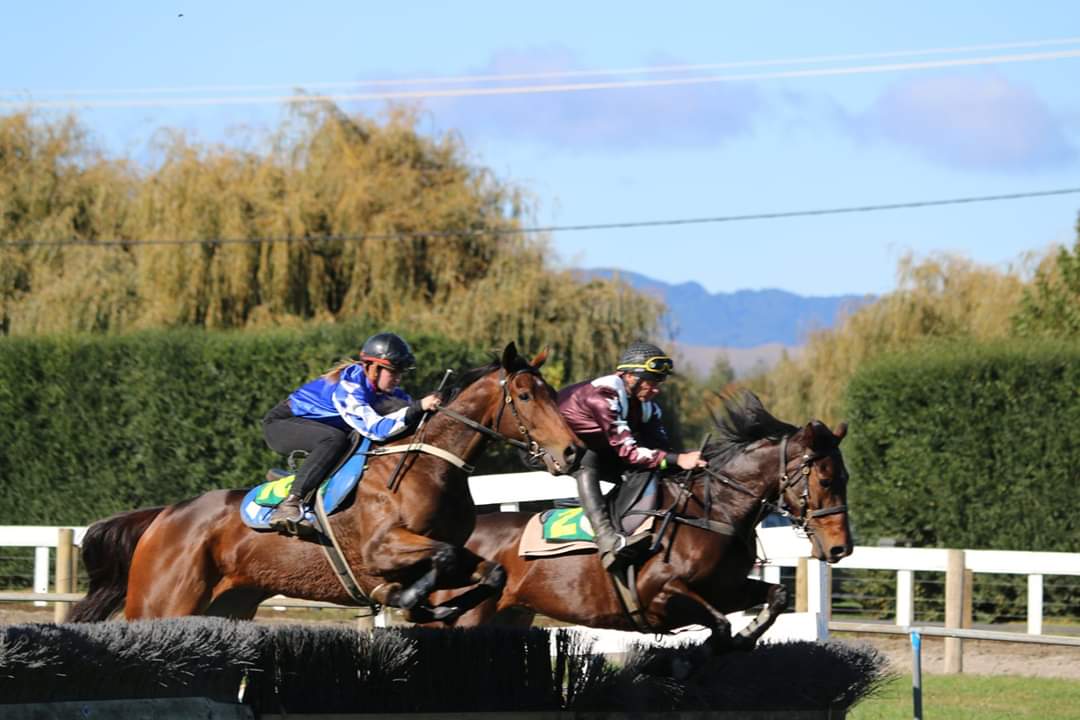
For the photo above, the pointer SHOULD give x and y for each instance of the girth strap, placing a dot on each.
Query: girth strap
(337, 559)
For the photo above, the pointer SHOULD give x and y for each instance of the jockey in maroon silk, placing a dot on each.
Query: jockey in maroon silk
(620, 425)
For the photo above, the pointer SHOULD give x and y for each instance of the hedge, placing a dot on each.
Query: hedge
(91, 425)
(966, 445)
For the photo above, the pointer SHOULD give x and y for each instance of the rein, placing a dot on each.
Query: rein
(529, 445)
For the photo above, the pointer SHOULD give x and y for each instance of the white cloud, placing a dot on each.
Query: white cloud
(971, 122)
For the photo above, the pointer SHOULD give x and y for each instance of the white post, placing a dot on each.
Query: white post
(771, 574)
(1035, 604)
(41, 573)
(819, 594)
(905, 598)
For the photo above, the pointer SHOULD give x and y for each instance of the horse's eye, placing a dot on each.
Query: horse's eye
(524, 397)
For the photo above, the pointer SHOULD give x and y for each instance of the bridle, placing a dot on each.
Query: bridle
(800, 477)
(801, 519)
(418, 445)
(528, 444)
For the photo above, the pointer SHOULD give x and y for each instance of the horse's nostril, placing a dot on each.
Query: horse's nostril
(838, 551)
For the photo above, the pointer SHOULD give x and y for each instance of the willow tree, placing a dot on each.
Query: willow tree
(335, 217)
(55, 186)
(942, 296)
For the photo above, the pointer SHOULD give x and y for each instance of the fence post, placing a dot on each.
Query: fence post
(1035, 605)
(905, 597)
(954, 610)
(968, 618)
(801, 580)
(41, 573)
(819, 594)
(65, 536)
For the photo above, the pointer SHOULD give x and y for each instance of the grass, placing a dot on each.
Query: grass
(951, 697)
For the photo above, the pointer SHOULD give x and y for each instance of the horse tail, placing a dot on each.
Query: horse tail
(107, 549)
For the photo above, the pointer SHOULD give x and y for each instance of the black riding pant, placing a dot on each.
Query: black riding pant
(609, 468)
(325, 444)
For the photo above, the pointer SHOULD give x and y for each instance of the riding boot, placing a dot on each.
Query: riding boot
(287, 515)
(615, 554)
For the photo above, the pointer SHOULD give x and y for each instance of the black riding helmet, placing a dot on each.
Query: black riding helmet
(646, 361)
(388, 350)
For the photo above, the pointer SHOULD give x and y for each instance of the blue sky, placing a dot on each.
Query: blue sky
(845, 132)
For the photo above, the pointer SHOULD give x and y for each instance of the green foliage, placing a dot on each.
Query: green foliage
(97, 424)
(338, 185)
(1050, 306)
(967, 445)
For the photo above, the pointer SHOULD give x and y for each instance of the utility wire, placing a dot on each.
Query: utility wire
(551, 228)
(542, 89)
(551, 74)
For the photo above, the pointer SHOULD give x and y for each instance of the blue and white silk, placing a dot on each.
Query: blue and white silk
(347, 404)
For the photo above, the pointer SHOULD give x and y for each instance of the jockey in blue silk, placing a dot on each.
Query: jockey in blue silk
(320, 415)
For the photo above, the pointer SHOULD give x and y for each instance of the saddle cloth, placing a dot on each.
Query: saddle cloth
(261, 500)
(571, 525)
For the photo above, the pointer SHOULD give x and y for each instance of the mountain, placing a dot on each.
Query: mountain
(740, 319)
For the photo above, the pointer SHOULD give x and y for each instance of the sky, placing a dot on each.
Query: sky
(635, 113)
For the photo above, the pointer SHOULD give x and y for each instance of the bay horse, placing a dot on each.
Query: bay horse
(197, 557)
(707, 545)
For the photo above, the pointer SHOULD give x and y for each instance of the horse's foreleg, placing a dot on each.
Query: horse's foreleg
(489, 579)
(679, 605)
(756, 592)
(397, 551)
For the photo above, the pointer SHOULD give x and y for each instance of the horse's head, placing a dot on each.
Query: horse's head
(534, 412)
(814, 488)
(510, 400)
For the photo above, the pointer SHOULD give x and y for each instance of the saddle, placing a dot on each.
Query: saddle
(260, 501)
(565, 529)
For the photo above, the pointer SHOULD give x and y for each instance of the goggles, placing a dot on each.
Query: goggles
(658, 365)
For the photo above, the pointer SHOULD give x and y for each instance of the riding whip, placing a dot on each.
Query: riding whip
(420, 426)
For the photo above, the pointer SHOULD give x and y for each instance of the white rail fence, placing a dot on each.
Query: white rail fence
(781, 547)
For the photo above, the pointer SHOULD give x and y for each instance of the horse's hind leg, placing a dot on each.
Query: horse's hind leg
(163, 583)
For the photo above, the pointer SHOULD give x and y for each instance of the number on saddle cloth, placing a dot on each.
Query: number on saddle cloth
(569, 523)
(261, 500)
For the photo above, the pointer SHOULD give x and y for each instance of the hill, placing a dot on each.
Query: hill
(741, 319)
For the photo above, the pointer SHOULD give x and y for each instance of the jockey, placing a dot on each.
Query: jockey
(352, 396)
(618, 422)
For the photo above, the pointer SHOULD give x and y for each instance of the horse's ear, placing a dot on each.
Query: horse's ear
(540, 358)
(840, 431)
(510, 355)
(808, 436)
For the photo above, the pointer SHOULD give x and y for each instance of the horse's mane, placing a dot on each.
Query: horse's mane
(743, 421)
(470, 376)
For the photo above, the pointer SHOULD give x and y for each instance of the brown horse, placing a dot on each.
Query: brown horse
(197, 556)
(704, 536)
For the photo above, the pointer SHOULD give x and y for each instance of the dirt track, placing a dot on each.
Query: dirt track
(981, 657)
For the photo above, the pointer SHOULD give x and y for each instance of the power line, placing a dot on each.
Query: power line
(554, 74)
(543, 89)
(552, 228)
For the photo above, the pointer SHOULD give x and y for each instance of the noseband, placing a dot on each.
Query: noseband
(801, 476)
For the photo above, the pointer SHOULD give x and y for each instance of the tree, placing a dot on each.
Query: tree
(1050, 305)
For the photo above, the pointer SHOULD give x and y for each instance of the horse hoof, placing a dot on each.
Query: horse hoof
(742, 643)
(445, 613)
